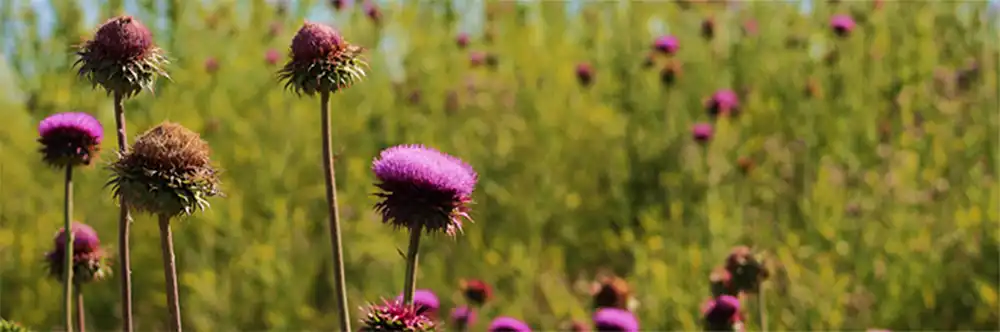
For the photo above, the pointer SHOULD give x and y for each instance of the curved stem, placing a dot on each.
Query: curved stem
(339, 280)
(412, 253)
(170, 273)
(81, 322)
(68, 249)
(124, 220)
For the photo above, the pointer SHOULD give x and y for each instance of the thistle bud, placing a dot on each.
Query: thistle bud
(89, 263)
(321, 60)
(121, 57)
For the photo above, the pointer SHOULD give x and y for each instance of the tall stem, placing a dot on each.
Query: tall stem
(81, 322)
(68, 250)
(761, 309)
(412, 253)
(339, 280)
(124, 222)
(170, 273)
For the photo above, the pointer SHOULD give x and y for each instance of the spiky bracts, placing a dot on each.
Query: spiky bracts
(508, 324)
(70, 139)
(395, 316)
(9, 326)
(121, 57)
(614, 319)
(321, 60)
(423, 187)
(89, 261)
(167, 171)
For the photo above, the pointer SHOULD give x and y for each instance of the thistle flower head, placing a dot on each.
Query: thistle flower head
(89, 263)
(746, 270)
(211, 65)
(842, 24)
(423, 187)
(167, 171)
(121, 57)
(477, 58)
(70, 139)
(721, 313)
(702, 132)
(426, 301)
(463, 316)
(271, 57)
(610, 292)
(584, 73)
(666, 44)
(476, 291)
(508, 324)
(723, 102)
(462, 40)
(670, 72)
(615, 320)
(321, 60)
(395, 316)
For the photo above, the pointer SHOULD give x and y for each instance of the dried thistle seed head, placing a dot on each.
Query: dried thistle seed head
(614, 319)
(121, 57)
(167, 171)
(70, 139)
(395, 316)
(89, 261)
(321, 60)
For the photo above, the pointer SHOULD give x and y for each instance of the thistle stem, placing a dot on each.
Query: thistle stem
(170, 273)
(81, 323)
(339, 280)
(412, 252)
(68, 250)
(761, 310)
(124, 222)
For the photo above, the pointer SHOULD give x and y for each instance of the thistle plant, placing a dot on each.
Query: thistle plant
(462, 317)
(323, 62)
(615, 320)
(396, 316)
(69, 140)
(88, 262)
(476, 292)
(508, 324)
(722, 313)
(422, 189)
(426, 301)
(167, 173)
(123, 60)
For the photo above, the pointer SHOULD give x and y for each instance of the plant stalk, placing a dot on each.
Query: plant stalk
(81, 322)
(68, 249)
(339, 280)
(412, 253)
(170, 273)
(124, 222)
(761, 310)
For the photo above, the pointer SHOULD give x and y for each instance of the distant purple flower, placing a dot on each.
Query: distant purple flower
(462, 317)
(395, 316)
(423, 187)
(373, 12)
(508, 324)
(584, 73)
(272, 56)
(462, 40)
(70, 139)
(702, 132)
(667, 45)
(84, 238)
(338, 5)
(614, 319)
(88, 257)
(721, 313)
(723, 102)
(426, 301)
(842, 25)
(211, 65)
(477, 58)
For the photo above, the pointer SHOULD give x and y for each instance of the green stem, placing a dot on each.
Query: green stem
(761, 309)
(170, 273)
(124, 221)
(81, 323)
(68, 250)
(410, 284)
(339, 280)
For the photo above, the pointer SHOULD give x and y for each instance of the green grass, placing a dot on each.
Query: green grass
(573, 181)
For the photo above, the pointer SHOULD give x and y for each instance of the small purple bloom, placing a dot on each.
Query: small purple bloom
(272, 56)
(70, 139)
(508, 324)
(423, 188)
(211, 65)
(614, 319)
(426, 301)
(702, 132)
(88, 257)
(721, 313)
(395, 316)
(723, 102)
(84, 238)
(477, 58)
(842, 25)
(462, 40)
(584, 74)
(666, 44)
(462, 317)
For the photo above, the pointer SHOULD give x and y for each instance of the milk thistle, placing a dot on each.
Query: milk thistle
(615, 320)
(722, 314)
(69, 140)
(88, 262)
(123, 60)
(396, 316)
(422, 189)
(323, 62)
(167, 172)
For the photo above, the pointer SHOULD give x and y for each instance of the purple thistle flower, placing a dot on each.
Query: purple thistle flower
(373, 12)
(702, 132)
(614, 319)
(272, 56)
(70, 139)
(423, 187)
(721, 313)
(462, 40)
(723, 102)
(666, 44)
(211, 65)
(395, 316)
(321, 60)
(426, 301)
(584, 74)
(842, 25)
(477, 58)
(338, 5)
(462, 317)
(508, 324)
(88, 258)
(121, 57)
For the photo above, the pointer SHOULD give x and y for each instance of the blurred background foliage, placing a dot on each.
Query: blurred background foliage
(872, 190)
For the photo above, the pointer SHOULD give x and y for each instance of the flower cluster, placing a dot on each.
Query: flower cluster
(741, 274)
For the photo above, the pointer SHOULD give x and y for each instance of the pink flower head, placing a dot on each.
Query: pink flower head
(272, 56)
(614, 319)
(122, 38)
(462, 317)
(462, 40)
(211, 65)
(842, 25)
(477, 58)
(584, 73)
(508, 324)
(426, 302)
(721, 313)
(667, 45)
(88, 257)
(316, 41)
(395, 316)
(702, 132)
(476, 291)
(723, 102)
(70, 139)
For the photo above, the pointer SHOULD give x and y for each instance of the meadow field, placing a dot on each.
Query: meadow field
(862, 166)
